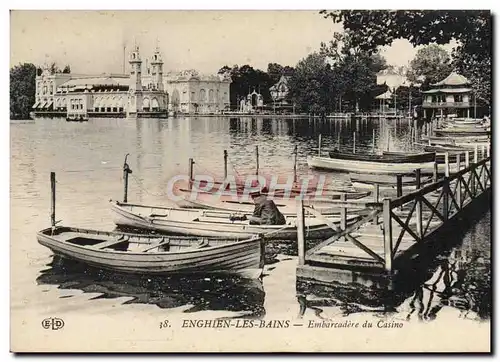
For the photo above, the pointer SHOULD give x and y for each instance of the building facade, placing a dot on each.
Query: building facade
(451, 96)
(137, 94)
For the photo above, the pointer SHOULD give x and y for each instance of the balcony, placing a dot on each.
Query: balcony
(446, 105)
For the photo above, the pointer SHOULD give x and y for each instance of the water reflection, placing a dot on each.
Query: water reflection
(204, 293)
(455, 273)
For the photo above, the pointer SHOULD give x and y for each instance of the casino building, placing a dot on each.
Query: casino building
(138, 94)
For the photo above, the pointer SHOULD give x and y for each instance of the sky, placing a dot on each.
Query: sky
(92, 41)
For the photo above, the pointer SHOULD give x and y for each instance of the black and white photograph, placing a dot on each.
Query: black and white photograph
(250, 180)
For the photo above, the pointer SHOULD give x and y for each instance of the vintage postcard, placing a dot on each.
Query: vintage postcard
(250, 181)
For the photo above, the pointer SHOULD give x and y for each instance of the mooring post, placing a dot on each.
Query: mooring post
(301, 237)
(257, 160)
(354, 143)
(488, 150)
(295, 151)
(191, 165)
(338, 140)
(376, 189)
(387, 235)
(53, 199)
(475, 153)
(418, 206)
(319, 145)
(446, 203)
(126, 171)
(435, 172)
(483, 151)
(467, 159)
(343, 214)
(458, 181)
(225, 165)
(415, 132)
(399, 185)
(446, 164)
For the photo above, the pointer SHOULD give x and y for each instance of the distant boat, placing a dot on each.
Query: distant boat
(395, 157)
(365, 166)
(76, 118)
(213, 223)
(156, 254)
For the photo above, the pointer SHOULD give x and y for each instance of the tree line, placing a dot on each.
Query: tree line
(23, 87)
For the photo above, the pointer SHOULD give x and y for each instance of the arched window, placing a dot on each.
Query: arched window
(202, 96)
(154, 104)
(146, 104)
(211, 96)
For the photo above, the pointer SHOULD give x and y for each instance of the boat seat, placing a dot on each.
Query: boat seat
(108, 243)
(163, 242)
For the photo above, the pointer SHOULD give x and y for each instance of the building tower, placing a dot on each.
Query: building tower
(135, 86)
(157, 70)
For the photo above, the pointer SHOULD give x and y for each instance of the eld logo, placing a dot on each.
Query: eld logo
(53, 323)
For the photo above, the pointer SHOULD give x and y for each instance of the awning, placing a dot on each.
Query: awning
(42, 105)
(448, 90)
(35, 105)
(49, 106)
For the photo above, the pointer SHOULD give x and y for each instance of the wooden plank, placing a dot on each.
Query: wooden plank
(405, 227)
(350, 238)
(301, 239)
(161, 242)
(387, 235)
(341, 233)
(408, 230)
(108, 243)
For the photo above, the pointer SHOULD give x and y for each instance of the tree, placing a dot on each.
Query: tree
(432, 63)
(22, 90)
(67, 69)
(311, 87)
(472, 30)
(355, 71)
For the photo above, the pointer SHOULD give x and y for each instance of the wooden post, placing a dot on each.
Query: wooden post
(435, 172)
(53, 199)
(319, 145)
(418, 206)
(399, 185)
(415, 132)
(467, 159)
(446, 204)
(475, 153)
(301, 237)
(257, 160)
(343, 214)
(483, 151)
(295, 164)
(376, 193)
(488, 150)
(191, 165)
(373, 140)
(126, 171)
(338, 139)
(387, 235)
(225, 164)
(458, 185)
(446, 164)
(354, 143)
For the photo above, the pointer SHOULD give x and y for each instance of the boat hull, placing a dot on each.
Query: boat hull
(244, 258)
(198, 224)
(332, 164)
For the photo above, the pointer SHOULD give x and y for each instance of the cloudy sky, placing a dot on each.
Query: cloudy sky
(93, 41)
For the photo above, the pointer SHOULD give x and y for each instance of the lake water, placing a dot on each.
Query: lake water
(88, 160)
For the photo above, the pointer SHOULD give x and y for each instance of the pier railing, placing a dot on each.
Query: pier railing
(408, 219)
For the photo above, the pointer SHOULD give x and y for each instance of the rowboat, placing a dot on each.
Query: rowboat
(385, 157)
(440, 157)
(359, 166)
(287, 207)
(367, 181)
(462, 133)
(156, 254)
(213, 223)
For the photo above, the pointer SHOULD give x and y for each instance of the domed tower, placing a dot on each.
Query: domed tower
(135, 86)
(135, 70)
(157, 70)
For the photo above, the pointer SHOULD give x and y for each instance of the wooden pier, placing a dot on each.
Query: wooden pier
(392, 232)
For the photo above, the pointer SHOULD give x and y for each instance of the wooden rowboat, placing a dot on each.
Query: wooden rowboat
(462, 133)
(385, 158)
(156, 254)
(213, 223)
(333, 164)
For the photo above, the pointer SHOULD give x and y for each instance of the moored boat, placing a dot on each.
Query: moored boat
(213, 223)
(385, 157)
(156, 254)
(333, 164)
